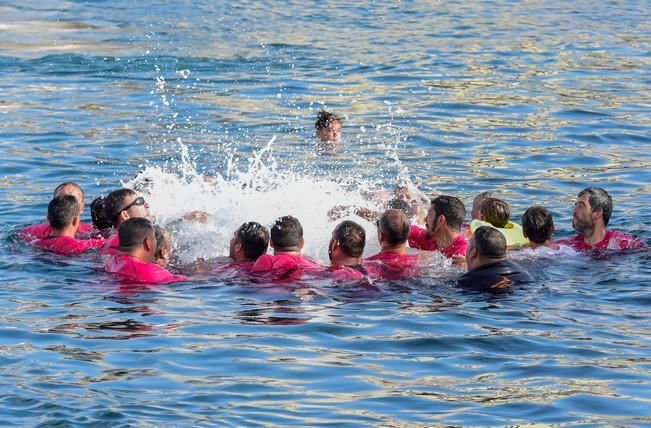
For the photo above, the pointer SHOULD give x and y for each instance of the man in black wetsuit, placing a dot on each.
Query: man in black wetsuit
(488, 268)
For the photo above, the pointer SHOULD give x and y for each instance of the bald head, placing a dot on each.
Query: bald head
(73, 189)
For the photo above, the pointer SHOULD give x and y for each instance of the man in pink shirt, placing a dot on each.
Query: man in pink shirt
(443, 233)
(249, 242)
(135, 260)
(592, 212)
(345, 251)
(286, 263)
(63, 217)
(121, 205)
(43, 230)
(393, 260)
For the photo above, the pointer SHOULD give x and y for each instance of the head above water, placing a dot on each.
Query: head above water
(122, 204)
(250, 241)
(537, 224)
(328, 126)
(486, 245)
(599, 201)
(402, 205)
(71, 188)
(448, 210)
(350, 238)
(287, 234)
(495, 211)
(393, 226)
(98, 214)
(138, 238)
(63, 212)
(476, 202)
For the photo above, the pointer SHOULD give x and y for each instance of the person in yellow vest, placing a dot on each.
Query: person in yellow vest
(496, 213)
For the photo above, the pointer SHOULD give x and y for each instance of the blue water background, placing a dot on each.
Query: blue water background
(536, 99)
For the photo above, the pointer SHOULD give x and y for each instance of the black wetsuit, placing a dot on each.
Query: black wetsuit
(496, 276)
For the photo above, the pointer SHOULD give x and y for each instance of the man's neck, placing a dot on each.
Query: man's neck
(397, 249)
(346, 261)
(486, 261)
(292, 251)
(139, 254)
(595, 235)
(67, 231)
(445, 237)
(548, 243)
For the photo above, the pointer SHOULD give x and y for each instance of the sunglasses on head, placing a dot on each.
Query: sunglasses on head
(136, 202)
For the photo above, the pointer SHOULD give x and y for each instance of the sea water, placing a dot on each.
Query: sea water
(211, 106)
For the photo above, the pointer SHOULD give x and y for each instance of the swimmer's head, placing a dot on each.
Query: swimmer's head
(476, 203)
(349, 239)
(393, 227)
(486, 245)
(98, 214)
(63, 212)
(249, 242)
(71, 188)
(537, 224)
(287, 234)
(138, 238)
(163, 251)
(495, 211)
(593, 207)
(328, 127)
(123, 204)
(445, 211)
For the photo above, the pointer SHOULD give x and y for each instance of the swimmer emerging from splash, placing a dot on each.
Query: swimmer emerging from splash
(328, 130)
(135, 261)
(592, 211)
(43, 230)
(286, 263)
(63, 218)
(488, 268)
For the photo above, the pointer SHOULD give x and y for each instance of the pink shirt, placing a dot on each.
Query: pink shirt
(111, 245)
(285, 266)
(66, 245)
(347, 273)
(43, 230)
(134, 270)
(395, 266)
(233, 269)
(613, 240)
(418, 239)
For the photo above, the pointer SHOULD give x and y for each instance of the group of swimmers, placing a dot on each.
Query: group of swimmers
(139, 251)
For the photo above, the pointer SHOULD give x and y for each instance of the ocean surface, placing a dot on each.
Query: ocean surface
(213, 105)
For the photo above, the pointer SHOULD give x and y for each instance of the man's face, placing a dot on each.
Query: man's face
(332, 133)
(134, 208)
(476, 203)
(431, 219)
(233, 245)
(583, 218)
(73, 191)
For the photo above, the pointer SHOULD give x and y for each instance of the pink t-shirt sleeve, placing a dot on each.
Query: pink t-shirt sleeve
(35, 231)
(418, 239)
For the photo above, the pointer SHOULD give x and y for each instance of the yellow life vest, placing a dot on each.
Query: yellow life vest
(512, 232)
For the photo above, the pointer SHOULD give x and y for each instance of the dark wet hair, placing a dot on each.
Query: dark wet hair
(489, 242)
(133, 232)
(286, 232)
(599, 200)
(394, 225)
(351, 238)
(495, 211)
(98, 214)
(115, 201)
(402, 205)
(452, 208)
(324, 119)
(61, 211)
(66, 184)
(254, 238)
(537, 224)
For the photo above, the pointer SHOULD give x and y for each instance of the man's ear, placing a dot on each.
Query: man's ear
(473, 253)
(238, 246)
(148, 244)
(301, 244)
(76, 220)
(442, 219)
(124, 216)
